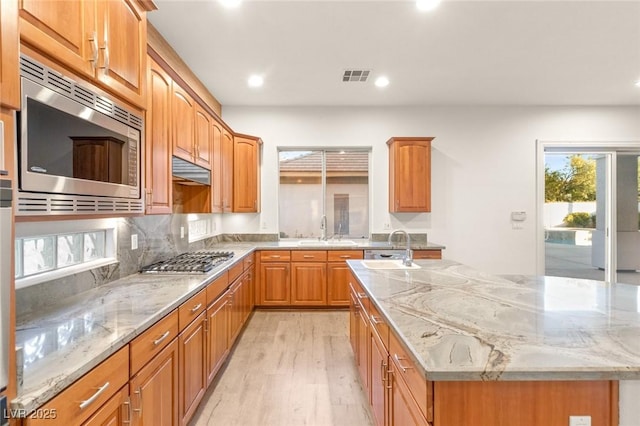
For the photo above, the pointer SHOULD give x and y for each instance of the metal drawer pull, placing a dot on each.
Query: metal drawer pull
(129, 413)
(402, 367)
(100, 391)
(161, 338)
(362, 296)
(375, 320)
(345, 256)
(139, 393)
(195, 308)
(275, 256)
(308, 256)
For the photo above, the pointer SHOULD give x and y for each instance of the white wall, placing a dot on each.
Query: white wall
(483, 166)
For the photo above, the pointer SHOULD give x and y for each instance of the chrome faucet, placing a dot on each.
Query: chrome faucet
(323, 228)
(408, 255)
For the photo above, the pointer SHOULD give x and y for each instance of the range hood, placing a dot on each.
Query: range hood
(186, 173)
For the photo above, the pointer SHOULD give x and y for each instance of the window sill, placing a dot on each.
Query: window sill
(63, 272)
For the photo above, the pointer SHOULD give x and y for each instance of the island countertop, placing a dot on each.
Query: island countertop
(460, 324)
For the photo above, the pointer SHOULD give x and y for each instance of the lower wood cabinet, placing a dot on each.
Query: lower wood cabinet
(116, 411)
(309, 284)
(154, 390)
(338, 274)
(403, 409)
(218, 328)
(275, 284)
(193, 364)
(379, 386)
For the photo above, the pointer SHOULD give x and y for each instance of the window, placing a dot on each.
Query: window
(76, 246)
(317, 183)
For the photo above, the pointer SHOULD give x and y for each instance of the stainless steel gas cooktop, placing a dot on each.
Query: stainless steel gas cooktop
(189, 263)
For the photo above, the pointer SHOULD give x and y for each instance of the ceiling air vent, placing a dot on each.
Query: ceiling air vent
(355, 76)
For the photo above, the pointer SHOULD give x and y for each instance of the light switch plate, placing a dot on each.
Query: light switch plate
(579, 420)
(182, 232)
(134, 241)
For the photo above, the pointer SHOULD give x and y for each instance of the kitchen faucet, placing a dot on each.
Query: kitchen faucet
(408, 256)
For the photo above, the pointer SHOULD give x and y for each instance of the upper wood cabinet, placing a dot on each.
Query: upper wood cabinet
(246, 174)
(203, 140)
(101, 40)
(158, 147)
(216, 167)
(182, 119)
(9, 74)
(227, 171)
(409, 174)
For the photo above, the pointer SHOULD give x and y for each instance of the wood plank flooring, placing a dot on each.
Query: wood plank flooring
(289, 368)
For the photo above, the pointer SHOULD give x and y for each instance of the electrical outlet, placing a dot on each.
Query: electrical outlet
(579, 420)
(134, 241)
(264, 225)
(387, 226)
(182, 232)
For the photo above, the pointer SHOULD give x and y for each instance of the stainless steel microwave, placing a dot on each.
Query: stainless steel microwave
(78, 151)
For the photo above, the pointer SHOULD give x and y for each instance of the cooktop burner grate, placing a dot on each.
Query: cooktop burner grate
(189, 263)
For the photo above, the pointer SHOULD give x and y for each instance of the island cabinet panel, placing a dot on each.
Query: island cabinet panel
(525, 403)
(158, 136)
(409, 175)
(83, 398)
(154, 390)
(378, 396)
(403, 410)
(360, 329)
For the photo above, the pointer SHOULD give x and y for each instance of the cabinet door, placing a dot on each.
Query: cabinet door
(227, 171)
(217, 336)
(115, 412)
(122, 40)
(379, 367)
(427, 254)
(235, 310)
(154, 390)
(192, 376)
(275, 285)
(246, 175)
(338, 284)
(402, 407)
(9, 68)
(309, 284)
(363, 349)
(203, 137)
(216, 168)
(65, 30)
(354, 319)
(182, 114)
(409, 175)
(158, 146)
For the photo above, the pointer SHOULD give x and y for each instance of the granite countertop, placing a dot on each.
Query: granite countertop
(462, 324)
(74, 335)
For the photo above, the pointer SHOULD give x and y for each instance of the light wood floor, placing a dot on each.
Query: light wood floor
(289, 368)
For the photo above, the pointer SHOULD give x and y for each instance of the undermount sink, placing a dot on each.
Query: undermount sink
(321, 243)
(388, 264)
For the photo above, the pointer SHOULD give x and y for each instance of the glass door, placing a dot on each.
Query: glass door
(628, 217)
(575, 214)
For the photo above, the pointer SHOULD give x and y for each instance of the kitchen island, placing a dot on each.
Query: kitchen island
(512, 345)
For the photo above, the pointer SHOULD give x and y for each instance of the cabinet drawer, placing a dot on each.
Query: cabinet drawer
(406, 368)
(84, 397)
(190, 309)
(379, 324)
(309, 256)
(427, 254)
(235, 271)
(342, 255)
(217, 287)
(152, 341)
(275, 256)
(248, 261)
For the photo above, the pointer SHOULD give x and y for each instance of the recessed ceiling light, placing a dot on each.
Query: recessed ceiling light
(427, 5)
(255, 81)
(382, 81)
(230, 3)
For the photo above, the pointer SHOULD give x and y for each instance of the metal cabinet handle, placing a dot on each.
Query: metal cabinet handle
(84, 404)
(161, 338)
(105, 65)
(308, 256)
(362, 296)
(383, 370)
(402, 367)
(275, 256)
(195, 308)
(127, 404)
(139, 393)
(345, 256)
(375, 320)
(93, 38)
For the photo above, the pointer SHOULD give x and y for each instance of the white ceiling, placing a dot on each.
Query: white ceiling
(464, 53)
